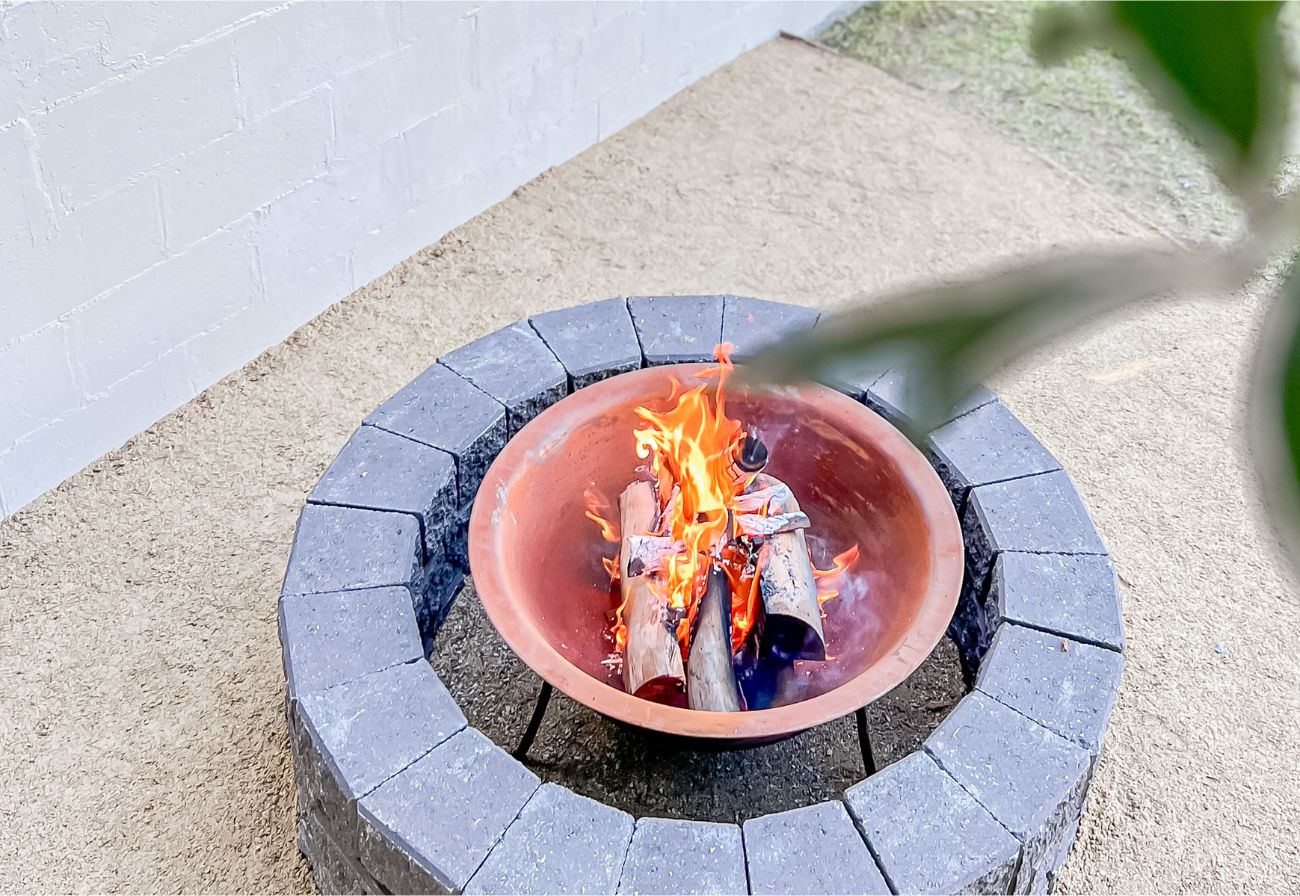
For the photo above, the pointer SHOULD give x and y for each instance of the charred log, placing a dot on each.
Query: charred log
(652, 659)
(710, 679)
(793, 624)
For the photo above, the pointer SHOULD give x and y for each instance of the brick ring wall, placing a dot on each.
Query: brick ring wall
(396, 793)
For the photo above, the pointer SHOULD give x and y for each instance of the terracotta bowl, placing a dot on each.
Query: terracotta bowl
(535, 557)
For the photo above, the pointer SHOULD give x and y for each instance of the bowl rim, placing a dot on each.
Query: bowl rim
(935, 609)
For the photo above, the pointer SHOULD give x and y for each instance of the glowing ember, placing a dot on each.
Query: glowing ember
(709, 513)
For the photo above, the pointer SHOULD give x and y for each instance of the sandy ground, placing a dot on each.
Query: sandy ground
(141, 738)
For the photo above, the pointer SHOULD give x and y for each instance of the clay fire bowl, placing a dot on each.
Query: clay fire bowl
(535, 556)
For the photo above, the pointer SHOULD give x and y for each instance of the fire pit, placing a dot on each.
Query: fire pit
(539, 574)
(398, 793)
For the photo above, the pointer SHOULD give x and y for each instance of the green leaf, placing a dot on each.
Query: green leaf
(1219, 67)
(1060, 30)
(1275, 412)
(948, 337)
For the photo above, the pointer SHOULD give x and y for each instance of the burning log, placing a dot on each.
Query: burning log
(755, 525)
(710, 679)
(718, 590)
(652, 658)
(793, 626)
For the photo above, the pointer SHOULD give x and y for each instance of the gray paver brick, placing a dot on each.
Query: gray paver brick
(929, 835)
(1072, 595)
(1036, 514)
(813, 849)
(560, 843)
(752, 324)
(515, 367)
(372, 727)
(684, 857)
(677, 329)
(443, 410)
(1066, 686)
(592, 341)
(893, 396)
(378, 470)
(428, 828)
(332, 638)
(343, 548)
(1030, 779)
(988, 444)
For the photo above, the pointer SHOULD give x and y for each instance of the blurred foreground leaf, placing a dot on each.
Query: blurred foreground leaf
(948, 337)
(1275, 407)
(1219, 67)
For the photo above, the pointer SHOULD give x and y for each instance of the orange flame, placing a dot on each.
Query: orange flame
(596, 508)
(690, 449)
(745, 595)
(692, 446)
(841, 564)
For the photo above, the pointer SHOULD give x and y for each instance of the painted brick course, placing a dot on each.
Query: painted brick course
(331, 141)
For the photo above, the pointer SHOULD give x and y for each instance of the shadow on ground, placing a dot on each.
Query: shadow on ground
(646, 775)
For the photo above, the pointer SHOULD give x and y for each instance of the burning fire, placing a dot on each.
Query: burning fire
(691, 450)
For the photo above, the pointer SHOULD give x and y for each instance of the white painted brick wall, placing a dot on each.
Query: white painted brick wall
(184, 184)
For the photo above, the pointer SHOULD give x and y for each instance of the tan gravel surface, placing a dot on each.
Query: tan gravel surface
(141, 738)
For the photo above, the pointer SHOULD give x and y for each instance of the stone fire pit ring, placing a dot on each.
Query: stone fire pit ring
(397, 793)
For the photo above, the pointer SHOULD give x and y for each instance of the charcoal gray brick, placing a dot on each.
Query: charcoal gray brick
(752, 324)
(444, 410)
(930, 835)
(333, 868)
(894, 397)
(592, 341)
(378, 470)
(443, 583)
(515, 367)
(344, 548)
(814, 849)
(854, 378)
(1052, 867)
(332, 638)
(1074, 596)
(1030, 779)
(428, 828)
(1066, 686)
(971, 627)
(1037, 514)
(372, 727)
(676, 329)
(458, 550)
(987, 444)
(671, 856)
(560, 843)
